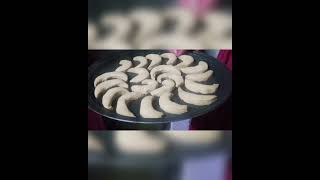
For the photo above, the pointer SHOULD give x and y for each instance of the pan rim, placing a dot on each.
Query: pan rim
(139, 120)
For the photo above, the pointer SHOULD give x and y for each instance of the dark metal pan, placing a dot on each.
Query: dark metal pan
(107, 61)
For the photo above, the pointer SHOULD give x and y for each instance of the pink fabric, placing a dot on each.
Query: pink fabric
(220, 119)
(177, 52)
(95, 122)
(229, 171)
(225, 56)
(199, 7)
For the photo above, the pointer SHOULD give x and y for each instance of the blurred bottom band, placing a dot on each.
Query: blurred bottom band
(170, 155)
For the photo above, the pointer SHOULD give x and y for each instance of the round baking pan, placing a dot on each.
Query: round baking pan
(108, 62)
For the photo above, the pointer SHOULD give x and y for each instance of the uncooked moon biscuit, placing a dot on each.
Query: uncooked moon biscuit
(147, 110)
(138, 142)
(112, 94)
(196, 99)
(200, 88)
(92, 34)
(147, 86)
(200, 68)
(142, 74)
(163, 69)
(185, 20)
(169, 106)
(194, 138)
(178, 79)
(172, 58)
(201, 77)
(110, 43)
(110, 75)
(118, 24)
(176, 41)
(186, 61)
(122, 107)
(167, 86)
(125, 65)
(106, 85)
(155, 60)
(148, 23)
(142, 61)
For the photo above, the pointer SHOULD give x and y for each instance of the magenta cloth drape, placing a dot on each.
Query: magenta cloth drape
(199, 7)
(225, 56)
(95, 122)
(229, 171)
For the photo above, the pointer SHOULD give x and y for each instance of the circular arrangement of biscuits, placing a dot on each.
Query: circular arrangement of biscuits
(156, 75)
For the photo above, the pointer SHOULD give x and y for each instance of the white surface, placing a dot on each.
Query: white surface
(211, 167)
(181, 125)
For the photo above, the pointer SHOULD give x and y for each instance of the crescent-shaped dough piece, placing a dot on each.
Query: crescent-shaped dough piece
(172, 58)
(111, 94)
(147, 110)
(148, 21)
(92, 34)
(178, 79)
(167, 86)
(106, 85)
(186, 61)
(163, 69)
(110, 43)
(148, 86)
(142, 61)
(122, 107)
(200, 77)
(142, 74)
(169, 106)
(172, 40)
(125, 65)
(118, 24)
(200, 88)
(196, 99)
(110, 75)
(155, 60)
(138, 143)
(185, 20)
(200, 68)
(194, 138)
